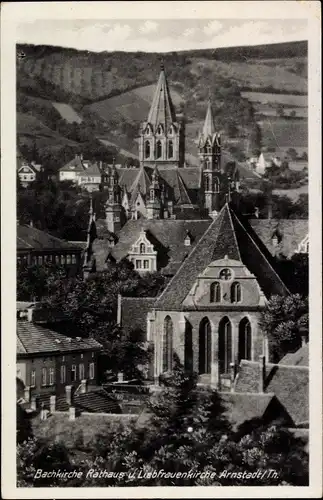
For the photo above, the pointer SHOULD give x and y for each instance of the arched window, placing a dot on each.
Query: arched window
(160, 130)
(225, 345)
(244, 348)
(207, 164)
(170, 149)
(205, 346)
(207, 183)
(142, 248)
(147, 149)
(158, 149)
(215, 292)
(235, 292)
(216, 185)
(167, 344)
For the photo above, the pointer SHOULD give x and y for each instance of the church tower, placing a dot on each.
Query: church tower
(154, 204)
(209, 151)
(162, 136)
(113, 207)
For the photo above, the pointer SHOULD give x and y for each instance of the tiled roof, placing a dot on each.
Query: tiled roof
(290, 384)
(35, 339)
(93, 401)
(298, 358)
(75, 165)
(291, 231)
(240, 407)
(30, 238)
(93, 169)
(134, 313)
(227, 235)
(167, 234)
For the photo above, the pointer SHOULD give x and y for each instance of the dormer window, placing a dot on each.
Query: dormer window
(188, 240)
(160, 130)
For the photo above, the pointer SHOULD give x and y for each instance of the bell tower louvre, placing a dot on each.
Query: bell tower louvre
(162, 137)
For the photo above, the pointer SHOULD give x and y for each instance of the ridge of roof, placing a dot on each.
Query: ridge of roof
(260, 251)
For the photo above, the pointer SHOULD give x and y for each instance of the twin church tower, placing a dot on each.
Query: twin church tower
(163, 186)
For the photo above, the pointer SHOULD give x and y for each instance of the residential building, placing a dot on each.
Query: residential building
(71, 171)
(36, 247)
(48, 362)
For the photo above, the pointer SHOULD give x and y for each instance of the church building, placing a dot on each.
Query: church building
(208, 315)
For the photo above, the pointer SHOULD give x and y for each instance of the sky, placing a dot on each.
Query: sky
(160, 35)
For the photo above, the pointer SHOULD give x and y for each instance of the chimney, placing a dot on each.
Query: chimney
(83, 388)
(31, 224)
(30, 313)
(262, 373)
(68, 393)
(120, 377)
(257, 212)
(52, 403)
(81, 156)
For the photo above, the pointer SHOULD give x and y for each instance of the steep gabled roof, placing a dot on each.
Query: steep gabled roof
(290, 384)
(75, 165)
(93, 169)
(162, 110)
(140, 184)
(166, 234)
(227, 235)
(208, 127)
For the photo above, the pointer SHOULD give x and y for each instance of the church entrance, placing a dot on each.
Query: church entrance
(225, 345)
(205, 346)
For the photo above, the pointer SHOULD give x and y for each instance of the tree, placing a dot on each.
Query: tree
(33, 282)
(24, 429)
(284, 322)
(187, 431)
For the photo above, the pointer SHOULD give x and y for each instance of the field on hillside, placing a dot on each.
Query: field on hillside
(133, 105)
(280, 132)
(255, 75)
(30, 128)
(270, 98)
(67, 112)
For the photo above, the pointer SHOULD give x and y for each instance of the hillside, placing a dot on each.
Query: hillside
(94, 102)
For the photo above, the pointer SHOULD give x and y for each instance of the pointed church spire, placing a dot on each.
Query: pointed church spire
(208, 127)
(162, 111)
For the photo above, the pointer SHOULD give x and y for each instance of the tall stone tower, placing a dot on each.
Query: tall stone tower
(162, 136)
(113, 207)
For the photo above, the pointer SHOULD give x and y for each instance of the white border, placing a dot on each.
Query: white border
(13, 13)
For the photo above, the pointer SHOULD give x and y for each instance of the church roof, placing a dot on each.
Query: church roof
(208, 127)
(227, 235)
(162, 110)
(167, 235)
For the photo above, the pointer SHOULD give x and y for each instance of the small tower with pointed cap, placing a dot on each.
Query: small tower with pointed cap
(162, 136)
(89, 259)
(113, 207)
(154, 204)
